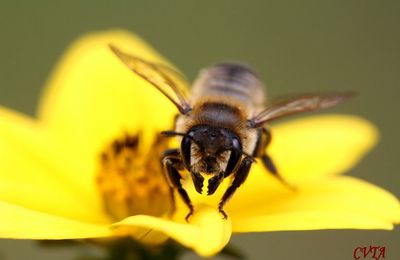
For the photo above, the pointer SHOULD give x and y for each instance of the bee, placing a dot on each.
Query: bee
(222, 125)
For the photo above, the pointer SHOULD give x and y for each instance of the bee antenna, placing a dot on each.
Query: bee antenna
(174, 133)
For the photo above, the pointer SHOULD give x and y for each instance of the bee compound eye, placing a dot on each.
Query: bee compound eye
(186, 150)
(233, 162)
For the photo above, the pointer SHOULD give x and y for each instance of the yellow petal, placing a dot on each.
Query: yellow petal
(330, 203)
(317, 146)
(93, 98)
(21, 223)
(31, 176)
(207, 233)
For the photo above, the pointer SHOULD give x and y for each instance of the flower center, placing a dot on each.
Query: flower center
(131, 181)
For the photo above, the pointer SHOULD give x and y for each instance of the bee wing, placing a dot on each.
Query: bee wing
(298, 104)
(167, 80)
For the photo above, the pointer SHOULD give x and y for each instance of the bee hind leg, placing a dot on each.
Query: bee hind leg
(172, 163)
(268, 163)
(267, 160)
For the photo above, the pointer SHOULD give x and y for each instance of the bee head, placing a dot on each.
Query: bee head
(211, 150)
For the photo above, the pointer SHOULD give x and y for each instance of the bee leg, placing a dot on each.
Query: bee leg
(172, 164)
(170, 152)
(240, 176)
(267, 160)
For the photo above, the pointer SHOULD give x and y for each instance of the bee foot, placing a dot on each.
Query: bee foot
(189, 215)
(223, 213)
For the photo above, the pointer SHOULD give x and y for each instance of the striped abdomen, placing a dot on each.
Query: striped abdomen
(230, 83)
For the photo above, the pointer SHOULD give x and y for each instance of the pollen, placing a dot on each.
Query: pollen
(131, 181)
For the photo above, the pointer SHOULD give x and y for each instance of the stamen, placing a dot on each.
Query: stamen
(131, 180)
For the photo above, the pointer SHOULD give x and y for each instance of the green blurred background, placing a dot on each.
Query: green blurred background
(296, 46)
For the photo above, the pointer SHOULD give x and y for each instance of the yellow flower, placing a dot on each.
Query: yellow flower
(54, 184)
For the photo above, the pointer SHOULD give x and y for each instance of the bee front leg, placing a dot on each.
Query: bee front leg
(239, 177)
(172, 163)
